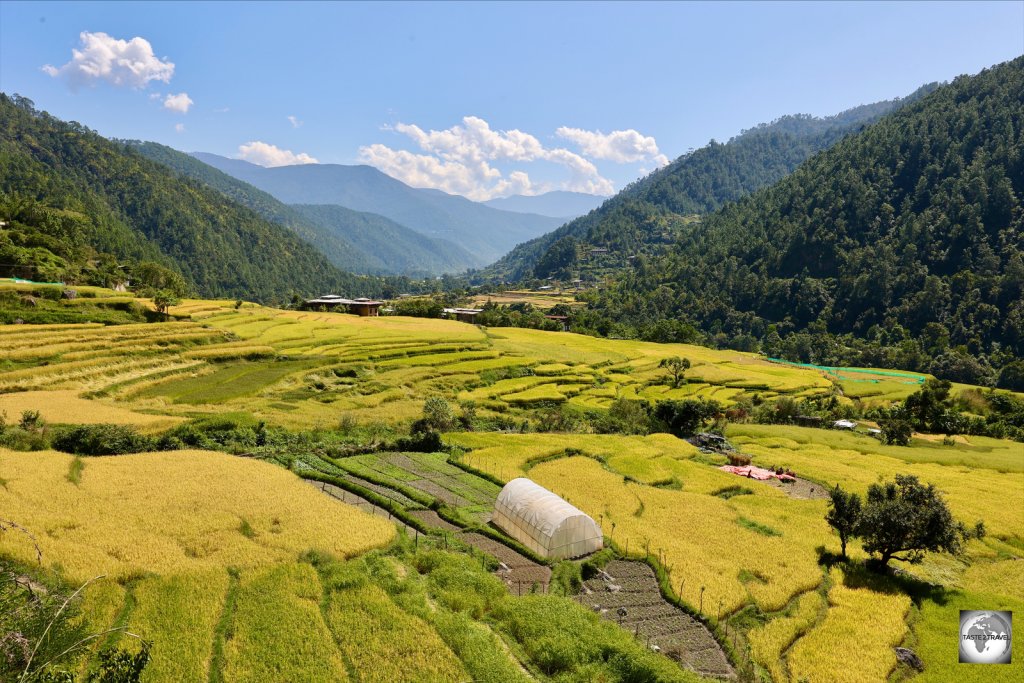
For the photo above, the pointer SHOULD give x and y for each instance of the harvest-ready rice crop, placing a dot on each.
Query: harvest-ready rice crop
(700, 536)
(177, 614)
(278, 632)
(973, 493)
(65, 406)
(855, 641)
(169, 512)
(386, 645)
(769, 642)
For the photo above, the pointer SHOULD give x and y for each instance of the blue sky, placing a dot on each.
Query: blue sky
(481, 99)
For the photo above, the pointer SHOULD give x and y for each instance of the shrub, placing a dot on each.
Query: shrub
(896, 432)
(684, 418)
(101, 439)
(31, 420)
(738, 459)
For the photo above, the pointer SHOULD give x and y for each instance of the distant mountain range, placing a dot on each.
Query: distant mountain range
(557, 204)
(355, 241)
(484, 232)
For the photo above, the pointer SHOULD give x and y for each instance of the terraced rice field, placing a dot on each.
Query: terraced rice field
(373, 369)
(185, 510)
(216, 541)
(166, 531)
(424, 477)
(656, 498)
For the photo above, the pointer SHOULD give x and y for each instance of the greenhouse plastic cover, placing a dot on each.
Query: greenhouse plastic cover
(545, 523)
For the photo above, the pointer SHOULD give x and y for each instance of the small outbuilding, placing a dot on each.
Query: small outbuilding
(463, 315)
(544, 522)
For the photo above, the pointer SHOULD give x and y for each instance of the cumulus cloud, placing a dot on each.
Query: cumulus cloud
(101, 57)
(294, 120)
(179, 127)
(460, 160)
(619, 146)
(265, 154)
(178, 103)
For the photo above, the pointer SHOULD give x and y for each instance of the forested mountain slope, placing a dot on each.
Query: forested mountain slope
(906, 237)
(387, 247)
(119, 203)
(485, 232)
(652, 210)
(352, 240)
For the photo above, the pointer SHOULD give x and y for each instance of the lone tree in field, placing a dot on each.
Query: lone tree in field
(896, 431)
(677, 367)
(843, 514)
(163, 300)
(438, 415)
(903, 520)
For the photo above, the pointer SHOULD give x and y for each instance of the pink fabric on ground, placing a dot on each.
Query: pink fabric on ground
(753, 472)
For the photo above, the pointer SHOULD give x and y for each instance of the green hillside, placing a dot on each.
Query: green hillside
(354, 241)
(385, 246)
(906, 238)
(79, 206)
(651, 211)
(485, 232)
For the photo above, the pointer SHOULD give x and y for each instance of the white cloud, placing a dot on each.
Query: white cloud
(265, 154)
(118, 62)
(155, 96)
(221, 110)
(459, 160)
(179, 127)
(294, 120)
(620, 146)
(178, 103)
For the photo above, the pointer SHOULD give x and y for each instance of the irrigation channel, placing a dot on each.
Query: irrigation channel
(625, 592)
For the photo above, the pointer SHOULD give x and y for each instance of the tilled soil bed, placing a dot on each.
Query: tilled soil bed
(628, 594)
(522, 572)
(432, 519)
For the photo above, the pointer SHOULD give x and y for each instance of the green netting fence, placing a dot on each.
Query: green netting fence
(838, 372)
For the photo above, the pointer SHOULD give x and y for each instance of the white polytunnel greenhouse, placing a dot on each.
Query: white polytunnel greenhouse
(545, 523)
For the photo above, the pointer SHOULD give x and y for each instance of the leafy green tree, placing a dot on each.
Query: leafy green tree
(903, 519)
(438, 414)
(163, 300)
(896, 431)
(684, 418)
(676, 367)
(928, 408)
(630, 417)
(1012, 376)
(559, 260)
(151, 275)
(843, 514)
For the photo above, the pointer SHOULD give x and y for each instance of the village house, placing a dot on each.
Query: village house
(362, 306)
